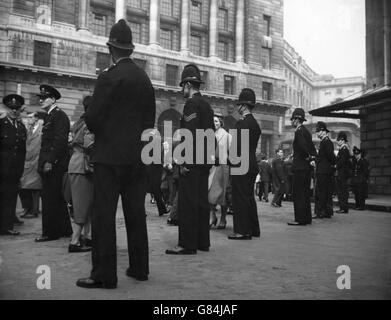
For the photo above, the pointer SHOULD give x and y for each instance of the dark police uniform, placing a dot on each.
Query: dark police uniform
(245, 217)
(360, 175)
(344, 167)
(122, 107)
(193, 204)
(54, 150)
(303, 151)
(325, 161)
(12, 156)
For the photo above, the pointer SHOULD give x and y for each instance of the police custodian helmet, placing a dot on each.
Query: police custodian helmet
(121, 36)
(247, 97)
(13, 101)
(321, 126)
(298, 113)
(191, 74)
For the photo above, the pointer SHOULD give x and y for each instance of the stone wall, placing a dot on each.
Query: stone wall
(376, 140)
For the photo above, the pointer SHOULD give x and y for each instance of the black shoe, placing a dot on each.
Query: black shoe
(78, 248)
(85, 241)
(89, 283)
(9, 233)
(180, 250)
(360, 208)
(222, 225)
(342, 211)
(131, 274)
(204, 249)
(317, 216)
(45, 238)
(256, 235)
(237, 236)
(294, 223)
(172, 222)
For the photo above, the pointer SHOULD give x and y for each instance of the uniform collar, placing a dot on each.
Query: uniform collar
(121, 59)
(299, 126)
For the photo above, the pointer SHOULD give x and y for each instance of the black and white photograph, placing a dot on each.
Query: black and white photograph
(195, 154)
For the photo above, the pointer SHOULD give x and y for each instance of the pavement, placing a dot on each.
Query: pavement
(284, 263)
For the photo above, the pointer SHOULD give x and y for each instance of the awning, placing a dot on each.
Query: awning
(347, 108)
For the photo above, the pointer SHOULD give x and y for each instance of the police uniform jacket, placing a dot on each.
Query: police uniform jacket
(325, 160)
(249, 122)
(198, 114)
(122, 107)
(265, 171)
(343, 163)
(54, 145)
(12, 148)
(303, 149)
(360, 171)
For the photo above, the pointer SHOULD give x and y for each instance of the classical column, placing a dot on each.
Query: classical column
(84, 8)
(213, 28)
(120, 10)
(239, 32)
(185, 26)
(154, 23)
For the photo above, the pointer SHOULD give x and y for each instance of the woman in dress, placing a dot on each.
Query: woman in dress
(219, 175)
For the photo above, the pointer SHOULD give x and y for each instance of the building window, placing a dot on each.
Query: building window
(171, 75)
(26, 7)
(204, 77)
(327, 93)
(42, 53)
(136, 31)
(166, 8)
(266, 91)
(339, 91)
(267, 20)
(196, 12)
(64, 11)
(99, 25)
(267, 58)
(134, 3)
(223, 50)
(141, 63)
(166, 39)
(229, 84)
(223, 19)
(102, 61)
(195, 44)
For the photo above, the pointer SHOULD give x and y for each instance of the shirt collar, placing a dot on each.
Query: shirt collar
(52, 108)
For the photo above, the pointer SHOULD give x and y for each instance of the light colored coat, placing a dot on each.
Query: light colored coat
(31, 179)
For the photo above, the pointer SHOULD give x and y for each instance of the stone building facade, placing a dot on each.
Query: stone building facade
(236, 44)
(308, 90)
(373, 106)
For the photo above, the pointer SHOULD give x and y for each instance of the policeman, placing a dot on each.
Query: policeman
(245, 218)
(325, 161)
(12, 155)
(360, 176)
(193, 204)
(52, 164)
(123, 106)
(344, 167)
(303, 154)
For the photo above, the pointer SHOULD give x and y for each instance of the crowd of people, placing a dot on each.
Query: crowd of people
(80, 171)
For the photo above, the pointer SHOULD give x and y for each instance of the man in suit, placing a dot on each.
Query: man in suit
(360, 176)
(344, 167)
(325, 161)
(265, 173)
(303, 154)
(245, 218)
(52, 164)
(12, 155)
(279, 178)
(193, 204)
(122, 107)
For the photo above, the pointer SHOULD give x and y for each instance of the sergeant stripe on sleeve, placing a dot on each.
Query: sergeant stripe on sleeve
(190, 117)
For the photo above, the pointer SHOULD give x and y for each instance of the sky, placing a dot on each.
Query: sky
(328, 34)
